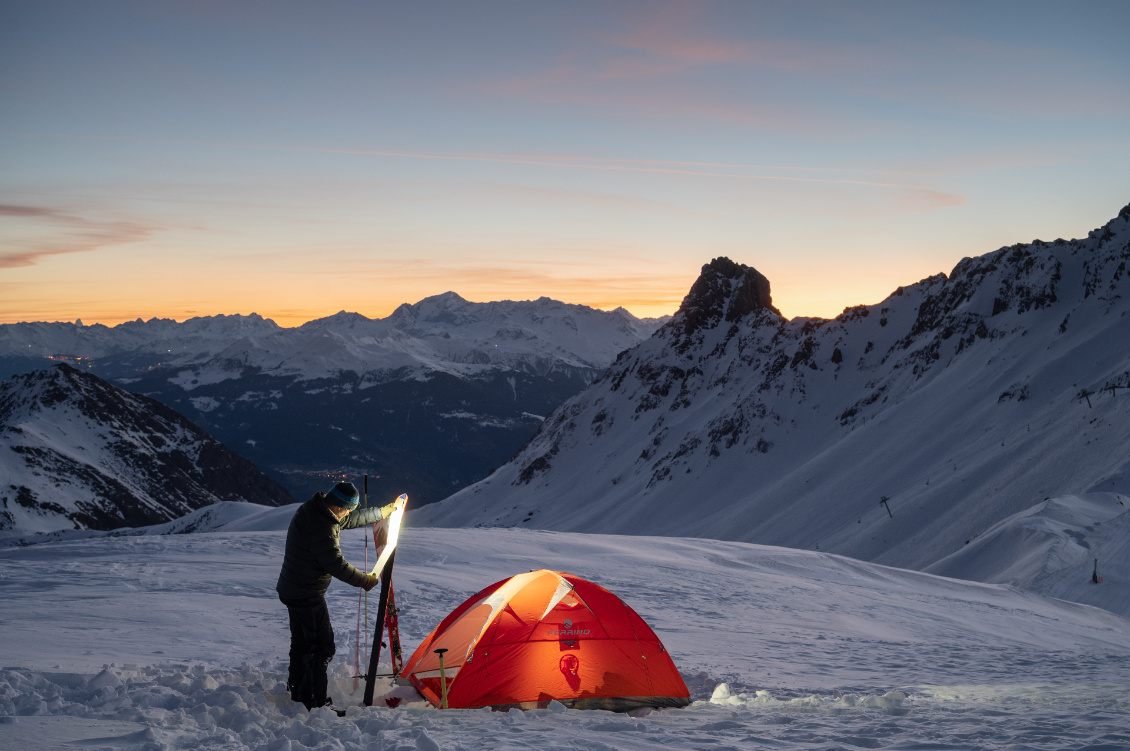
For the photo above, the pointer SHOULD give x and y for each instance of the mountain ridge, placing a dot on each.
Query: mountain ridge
(422, 334)
(78, 452)
(804, 432)
(425, 401)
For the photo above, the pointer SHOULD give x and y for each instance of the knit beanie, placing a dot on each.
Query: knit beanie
(344, 495)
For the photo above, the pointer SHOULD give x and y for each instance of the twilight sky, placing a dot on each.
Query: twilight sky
(176, 159)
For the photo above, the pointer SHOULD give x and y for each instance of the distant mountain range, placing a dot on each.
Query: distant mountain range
(79, 453)
(896, 432)
(427, 400)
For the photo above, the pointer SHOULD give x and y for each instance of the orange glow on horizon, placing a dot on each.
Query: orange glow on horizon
(641, 306)
(294, 318)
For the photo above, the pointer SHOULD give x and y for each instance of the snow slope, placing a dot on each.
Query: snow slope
(1051, 549)
(959, 400)
(781, 648)
(77, 452)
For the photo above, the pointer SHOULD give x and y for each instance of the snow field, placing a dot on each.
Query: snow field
(780, 648)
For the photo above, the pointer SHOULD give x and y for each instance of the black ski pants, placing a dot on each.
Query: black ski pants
(311, 649)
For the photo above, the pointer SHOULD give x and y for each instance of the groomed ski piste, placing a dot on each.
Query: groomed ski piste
(169, 641)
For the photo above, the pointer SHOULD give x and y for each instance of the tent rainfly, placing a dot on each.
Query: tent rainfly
(544, 635)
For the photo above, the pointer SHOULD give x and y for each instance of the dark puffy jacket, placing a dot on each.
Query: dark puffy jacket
(313, 554)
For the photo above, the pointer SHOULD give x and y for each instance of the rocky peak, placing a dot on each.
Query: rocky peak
(447, 308)
(340, 320)
(724, 290)
(41, 389)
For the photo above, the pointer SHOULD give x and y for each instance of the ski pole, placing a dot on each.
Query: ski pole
(442, 680)
(365, 484)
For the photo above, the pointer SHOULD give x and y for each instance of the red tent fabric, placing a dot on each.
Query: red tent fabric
(546, 635)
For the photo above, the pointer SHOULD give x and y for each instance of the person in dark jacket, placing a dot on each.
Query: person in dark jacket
(312, 558)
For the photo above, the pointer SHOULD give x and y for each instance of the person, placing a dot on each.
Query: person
(312, 557)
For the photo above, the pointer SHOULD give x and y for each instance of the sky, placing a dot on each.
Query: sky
(180, 159)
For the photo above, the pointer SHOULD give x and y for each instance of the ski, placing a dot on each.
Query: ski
(382, 610)
(392, 621)
(385, 560)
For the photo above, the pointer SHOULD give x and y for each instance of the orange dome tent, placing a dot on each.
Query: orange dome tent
(535, 637)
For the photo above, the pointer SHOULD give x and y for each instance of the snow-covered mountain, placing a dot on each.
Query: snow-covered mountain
(127, 348)
(429, 399)
(77, 452)
(444, 333)
(895, 433)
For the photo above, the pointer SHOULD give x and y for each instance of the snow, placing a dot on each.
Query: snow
(1051, 548)
(149, 641)
(205, 403)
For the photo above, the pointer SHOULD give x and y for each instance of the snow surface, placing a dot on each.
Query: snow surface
(147, 641)
(1051, 549)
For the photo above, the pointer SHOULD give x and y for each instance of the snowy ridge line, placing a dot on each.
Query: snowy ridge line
(442, 333)
(78, 452)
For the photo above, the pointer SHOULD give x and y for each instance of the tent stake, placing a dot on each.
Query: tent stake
(442, 680)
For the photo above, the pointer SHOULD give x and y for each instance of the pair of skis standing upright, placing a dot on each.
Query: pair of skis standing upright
(385, 535)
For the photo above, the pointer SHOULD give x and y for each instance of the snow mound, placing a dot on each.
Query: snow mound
(225, 516)
(892, 701)
(1051, 549)
(228, 516)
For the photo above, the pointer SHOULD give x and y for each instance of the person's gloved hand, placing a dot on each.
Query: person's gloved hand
(399, 503)
(370, 581)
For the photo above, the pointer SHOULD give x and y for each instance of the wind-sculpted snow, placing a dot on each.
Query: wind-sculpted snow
(1056, 548)
(893, 433)
(178, 641)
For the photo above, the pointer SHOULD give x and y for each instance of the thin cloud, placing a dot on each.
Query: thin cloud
(665, 64)
(667, 32)
(25, 211)
(671, 40)
(929, 200)
(659, 167)
(67, 233)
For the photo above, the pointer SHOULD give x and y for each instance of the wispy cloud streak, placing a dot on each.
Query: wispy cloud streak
(69, 234)
(684, 168)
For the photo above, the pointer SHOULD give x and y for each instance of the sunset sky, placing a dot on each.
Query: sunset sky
(177, 159)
